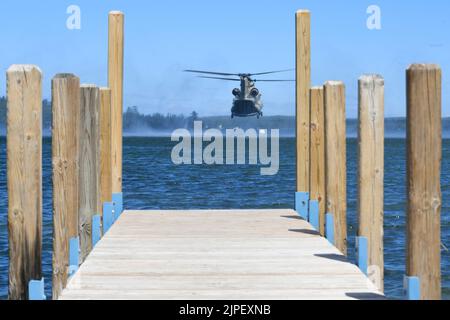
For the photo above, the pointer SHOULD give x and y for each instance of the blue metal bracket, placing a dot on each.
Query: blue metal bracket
(362, 247)
(36, 290)
(412, 288)
(117, 199)
(74, 256)
(301, 204)
(329, 227)
(108, 218)
(314, 214)
(96, 229)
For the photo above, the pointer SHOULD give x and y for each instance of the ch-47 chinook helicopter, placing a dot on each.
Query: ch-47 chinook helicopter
(247, 100)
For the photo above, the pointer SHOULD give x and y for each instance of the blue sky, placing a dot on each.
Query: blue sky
(165, 37)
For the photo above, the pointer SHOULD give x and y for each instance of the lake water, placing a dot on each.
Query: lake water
(151, 181)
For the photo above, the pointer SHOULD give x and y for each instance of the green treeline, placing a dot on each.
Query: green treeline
(133, 120)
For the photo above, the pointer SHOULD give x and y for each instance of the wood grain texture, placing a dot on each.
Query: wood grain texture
(65, 156)
(424, 144)
(233, 254)
(371, 172)
(115, 80)
(24, 163)
(336, 166)
(303, 84)
(89, 175)
(105, 146)
(317, 147)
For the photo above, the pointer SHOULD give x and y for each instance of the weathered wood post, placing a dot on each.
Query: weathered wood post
(65, 154)
(105, 145)
(105, 164)
(424, 145)
(317, 177)
(371, 178)
(89, 175)
(303, 84)
(24, 160)
(336, 167)
(115, 80)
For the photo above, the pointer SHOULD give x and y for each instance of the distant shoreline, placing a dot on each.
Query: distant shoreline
(395, 127)
(137, 124)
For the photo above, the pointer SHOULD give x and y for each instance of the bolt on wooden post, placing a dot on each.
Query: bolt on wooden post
(24, 160)
(89, 175)
(336, 166)
(371, 173)
(424, 153)
(115, 80)
(65, 154)
(317, 147)
(303, 84)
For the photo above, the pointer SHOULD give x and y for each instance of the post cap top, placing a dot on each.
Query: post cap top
(64, 76)
(424, 66)
(116, 13)
(334, 83)
(372, 78)
(23, 68)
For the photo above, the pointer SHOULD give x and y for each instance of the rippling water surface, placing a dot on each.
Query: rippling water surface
(151, 181)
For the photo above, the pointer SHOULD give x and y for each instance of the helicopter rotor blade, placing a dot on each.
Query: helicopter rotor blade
(210, 72)
(274, 80)
(218, 78)
(270, 72)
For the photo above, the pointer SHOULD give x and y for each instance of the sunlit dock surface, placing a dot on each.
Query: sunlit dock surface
(252, 254)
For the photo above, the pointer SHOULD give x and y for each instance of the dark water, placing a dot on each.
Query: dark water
(151, 181)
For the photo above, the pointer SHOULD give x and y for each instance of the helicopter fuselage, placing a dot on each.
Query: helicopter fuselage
(247, 100)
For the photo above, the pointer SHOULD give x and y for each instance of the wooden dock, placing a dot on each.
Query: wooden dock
(252, 254)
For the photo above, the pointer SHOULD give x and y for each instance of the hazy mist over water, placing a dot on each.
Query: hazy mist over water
(287, 133)
(395, 128)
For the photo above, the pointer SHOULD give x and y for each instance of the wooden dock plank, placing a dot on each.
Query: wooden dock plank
(233, 254)
(308, 294)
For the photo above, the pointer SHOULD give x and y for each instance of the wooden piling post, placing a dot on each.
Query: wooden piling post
(89, 175)
(303, 84)
(115, 80)
(424, 145)
(65, 154)
(336, 167)
(317, 147)
(103, 219)
(105, 146)
(371, 176)
(24, 160)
